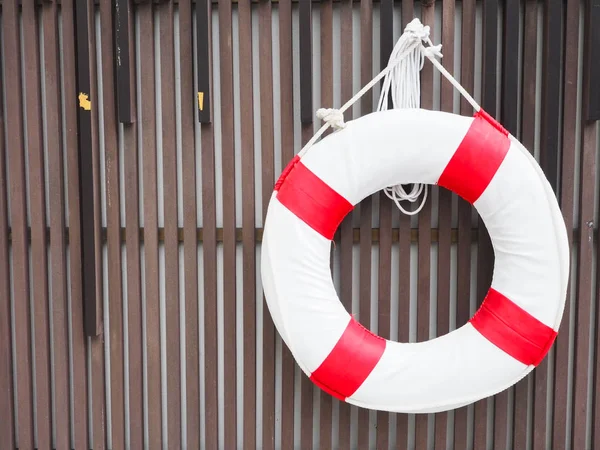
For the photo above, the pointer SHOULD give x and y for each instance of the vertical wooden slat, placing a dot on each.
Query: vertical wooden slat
(209, 246)
(248, 223)
(549, 147)
(366, 206)
(123, 60)
(592, 97)
(404, 238)
(113, 225)
(190, 235)
(268, 174)
(229, 251)
(346, 229)
(77, 331)
(132, 247)
(306, 386)
(16, 167)
(464, 209)
(57, 227)
(586, 297)
(37, 201)
(424, 242)
(485, 253)
(445, 211)
(134, 293)
(551, 68)
(528, 139)
(408, 12)
(305, 18)
(148, 123)
(92, 219)
(203, 30)
(326, 10)
(7, 428)
(169, 145)
(570, 130)
(510, 68)
(286, 82)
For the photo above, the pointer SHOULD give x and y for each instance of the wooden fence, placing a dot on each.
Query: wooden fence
(139, 144)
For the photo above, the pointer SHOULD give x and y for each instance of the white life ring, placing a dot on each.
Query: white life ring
(516, 324)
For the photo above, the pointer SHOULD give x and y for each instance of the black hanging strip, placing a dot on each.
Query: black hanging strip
(203, 56)
(306, 107)
(593, 61)
(86, 174)
(510, 66)
(551, 68)
(123, 30)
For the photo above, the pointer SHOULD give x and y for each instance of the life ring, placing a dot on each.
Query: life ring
(474, 157)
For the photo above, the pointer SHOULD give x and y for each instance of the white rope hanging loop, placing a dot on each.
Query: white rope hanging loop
(401, 84)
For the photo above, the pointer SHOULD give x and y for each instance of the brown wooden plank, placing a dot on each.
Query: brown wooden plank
(248, 223)
(7, 422)
(286, 86)
(113, 225)
(306, 71)
(366, 206)
(268, 175)
(485, 252)
(16, 168)
(210, 286)
(520, 439)
(592, 90)
(60, 336)
(169, 145)
(404, 240)
(445, 210)
(148, 124)
(385, 224)
(424, 244)
(229, 250)
(408, 12)
(37, 202)
(190, 243)
(585, 296)
(326, 13)
(346, 230)
(134, 293)
(99, 437)
(464, 209)
(306, 386)
(203, 60)
(209, 255)
(134, 288)
(78, 340)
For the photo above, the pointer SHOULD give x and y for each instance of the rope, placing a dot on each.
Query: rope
(401, 83)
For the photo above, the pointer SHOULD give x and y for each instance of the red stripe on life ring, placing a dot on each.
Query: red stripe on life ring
(312, 200)
(350, 362)
(476, 160)
(512, 329)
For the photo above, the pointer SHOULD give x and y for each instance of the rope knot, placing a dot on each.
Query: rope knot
(418, 30)
(333, 117)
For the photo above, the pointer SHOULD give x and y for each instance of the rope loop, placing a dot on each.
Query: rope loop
(401, 88)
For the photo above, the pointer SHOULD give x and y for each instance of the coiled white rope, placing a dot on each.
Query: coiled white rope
(401, 83)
